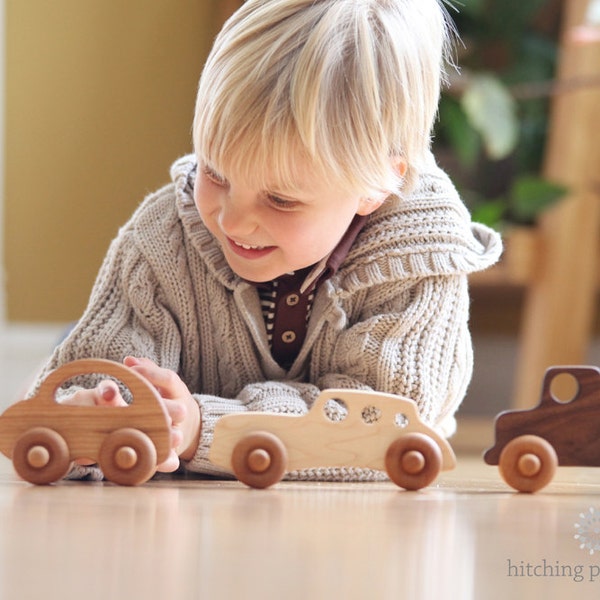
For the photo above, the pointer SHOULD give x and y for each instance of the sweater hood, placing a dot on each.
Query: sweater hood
(428, 233)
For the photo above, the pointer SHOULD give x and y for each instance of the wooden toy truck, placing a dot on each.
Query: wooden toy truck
(376, 431)
(530, 444)
(43, 437)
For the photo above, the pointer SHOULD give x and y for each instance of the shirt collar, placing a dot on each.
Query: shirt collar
(328, 266)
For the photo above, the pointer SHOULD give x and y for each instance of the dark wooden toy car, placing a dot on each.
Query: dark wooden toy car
(43, 437)
(376, 431)
(530, 444)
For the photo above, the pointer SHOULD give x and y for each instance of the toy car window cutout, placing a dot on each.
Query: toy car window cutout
(88, 381)
(335, 410)
(370, 414)
(401, 420)
(564, 388)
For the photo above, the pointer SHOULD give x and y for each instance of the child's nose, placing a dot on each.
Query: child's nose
(236, 217)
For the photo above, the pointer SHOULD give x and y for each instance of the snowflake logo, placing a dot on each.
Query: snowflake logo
(588, 530)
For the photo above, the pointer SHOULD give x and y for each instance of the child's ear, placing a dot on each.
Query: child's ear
(369, 205)
(400, 165)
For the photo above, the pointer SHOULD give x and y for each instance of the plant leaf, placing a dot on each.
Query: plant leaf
(491, 110)
(459, 132)
(470, 7)
(490, 213)
(530, 195)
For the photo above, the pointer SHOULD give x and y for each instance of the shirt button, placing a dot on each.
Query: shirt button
(292, 300)
(288, 337)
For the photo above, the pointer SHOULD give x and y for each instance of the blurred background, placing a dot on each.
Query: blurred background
(97, 101)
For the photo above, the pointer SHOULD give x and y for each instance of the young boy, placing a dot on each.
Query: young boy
(310, 242)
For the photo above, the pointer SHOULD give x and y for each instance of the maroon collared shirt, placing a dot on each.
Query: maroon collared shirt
(287, 301)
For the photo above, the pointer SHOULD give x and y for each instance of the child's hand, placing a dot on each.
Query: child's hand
(181, 407)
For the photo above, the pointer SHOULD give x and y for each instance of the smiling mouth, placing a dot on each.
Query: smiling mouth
(247, 246)
(249, 251)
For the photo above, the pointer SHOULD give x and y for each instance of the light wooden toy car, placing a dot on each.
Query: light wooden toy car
(379, 431)
(530, 444)
(43, 437)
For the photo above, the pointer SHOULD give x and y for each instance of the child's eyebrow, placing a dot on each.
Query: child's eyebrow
(293, 190)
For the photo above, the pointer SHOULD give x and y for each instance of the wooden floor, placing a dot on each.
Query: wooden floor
(466, 537)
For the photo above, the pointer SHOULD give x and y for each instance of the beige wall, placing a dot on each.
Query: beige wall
(2, 65)
(99, 102)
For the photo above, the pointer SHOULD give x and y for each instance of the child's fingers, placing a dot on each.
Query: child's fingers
(176, 410)
(81, 398)
(170, 465)
(166, 381)
(181, 408)
(172, 462)
(108, 394)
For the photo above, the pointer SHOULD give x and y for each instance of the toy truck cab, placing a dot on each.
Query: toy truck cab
(372, 430)
(43, 437)
(531, 443)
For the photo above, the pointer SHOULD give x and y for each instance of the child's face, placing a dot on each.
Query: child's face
(265, 234)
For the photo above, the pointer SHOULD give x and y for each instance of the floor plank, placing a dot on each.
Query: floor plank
(466, 537)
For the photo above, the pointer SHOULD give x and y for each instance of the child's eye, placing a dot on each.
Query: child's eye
(213, 176)
(282, 204)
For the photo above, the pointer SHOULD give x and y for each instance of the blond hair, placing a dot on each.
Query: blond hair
(340, 85)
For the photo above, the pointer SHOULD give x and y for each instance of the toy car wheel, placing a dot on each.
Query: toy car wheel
(528, 463)
(41, 456)
(259, 459)
(127, 457)
(413, 461)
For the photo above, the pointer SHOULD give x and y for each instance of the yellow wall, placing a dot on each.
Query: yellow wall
(99, 102)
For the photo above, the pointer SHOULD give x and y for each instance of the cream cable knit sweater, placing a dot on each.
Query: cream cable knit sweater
(393, 318)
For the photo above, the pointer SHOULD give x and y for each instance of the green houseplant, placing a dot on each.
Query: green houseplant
(493, 114)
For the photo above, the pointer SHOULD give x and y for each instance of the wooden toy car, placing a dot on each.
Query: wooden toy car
(42, 437)
(376, 431)
(531, 443)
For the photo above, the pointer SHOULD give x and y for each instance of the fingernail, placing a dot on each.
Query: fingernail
(107, 392)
